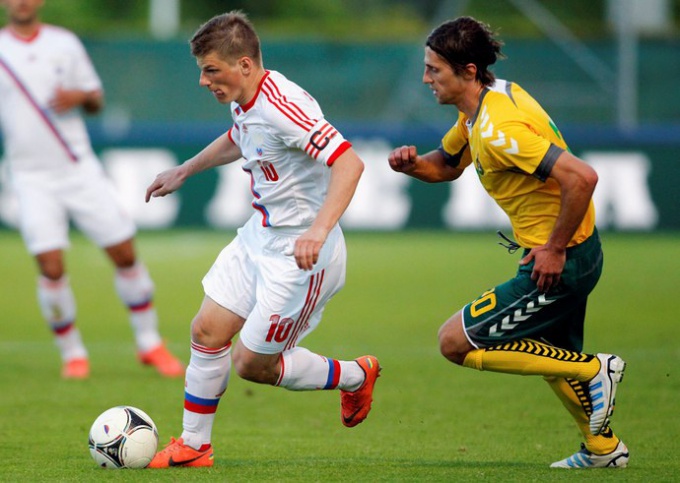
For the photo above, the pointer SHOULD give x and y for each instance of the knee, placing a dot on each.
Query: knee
(51, 264)
(52, 269)
(125, 260)
(451, 346)
(207, 334)
(123, 254)
(452, 353)
(199, 333)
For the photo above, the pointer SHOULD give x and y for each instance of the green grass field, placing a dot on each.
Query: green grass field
(431, 420)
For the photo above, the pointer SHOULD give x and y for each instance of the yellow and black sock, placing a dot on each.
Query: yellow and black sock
(529, 357)
(574, 397)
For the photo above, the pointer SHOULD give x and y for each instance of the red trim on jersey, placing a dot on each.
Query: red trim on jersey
(251, 102)
(21, 38)
(326, 131)
(338, 152)
(264, 212)
(229, 135)
(261, 208)
(291, 105)
(287, 108)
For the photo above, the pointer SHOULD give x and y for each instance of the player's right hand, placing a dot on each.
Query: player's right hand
(308, 246)
(166, 182)
(403, 159)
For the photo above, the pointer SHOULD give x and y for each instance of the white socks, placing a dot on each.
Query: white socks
(206, 379)
(302, 370)
(58, 306)
(135, 288)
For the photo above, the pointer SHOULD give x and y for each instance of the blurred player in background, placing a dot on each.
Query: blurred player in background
(532, 324)
(45, 78)
(272, 282)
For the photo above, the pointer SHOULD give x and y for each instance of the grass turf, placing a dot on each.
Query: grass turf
(431, 420)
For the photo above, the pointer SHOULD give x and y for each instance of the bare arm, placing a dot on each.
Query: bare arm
(577, 182)
(220, 151)
(345, 174)
(430, 167)
(64, 100)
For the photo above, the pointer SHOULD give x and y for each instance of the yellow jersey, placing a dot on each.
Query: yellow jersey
(513, 145)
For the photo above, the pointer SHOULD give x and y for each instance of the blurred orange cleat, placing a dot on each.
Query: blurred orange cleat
(76, 369)
(162, 359)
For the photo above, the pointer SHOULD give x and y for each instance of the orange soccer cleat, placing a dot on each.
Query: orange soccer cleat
(76, 369)
(356, 405)
(163, 360)
(176, 453)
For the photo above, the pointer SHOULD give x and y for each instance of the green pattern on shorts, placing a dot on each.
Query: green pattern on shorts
(516, 309)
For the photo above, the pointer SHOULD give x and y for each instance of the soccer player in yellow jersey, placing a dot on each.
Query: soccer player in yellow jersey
(533, 323)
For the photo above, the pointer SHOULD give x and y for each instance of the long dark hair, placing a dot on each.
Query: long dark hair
(464, 41)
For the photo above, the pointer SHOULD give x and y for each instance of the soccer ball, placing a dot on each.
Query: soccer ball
(123, 437)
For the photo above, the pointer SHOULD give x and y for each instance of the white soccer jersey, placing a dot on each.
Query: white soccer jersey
(35, 137)
(288, 147)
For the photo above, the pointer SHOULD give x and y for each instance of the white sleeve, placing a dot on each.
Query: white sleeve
(300, 124)
(324, 143)
(234, 134)
(82, 74)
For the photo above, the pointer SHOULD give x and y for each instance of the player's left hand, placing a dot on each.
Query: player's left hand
(548, 266)
(307, 248)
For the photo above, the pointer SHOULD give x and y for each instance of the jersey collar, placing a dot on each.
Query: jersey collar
(479, 106)
(22, 38)
(245, 107)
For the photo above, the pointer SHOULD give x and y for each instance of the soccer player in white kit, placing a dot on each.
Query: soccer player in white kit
(272, 282)
(45, 76)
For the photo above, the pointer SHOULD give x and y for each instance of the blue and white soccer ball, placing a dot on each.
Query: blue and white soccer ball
(123, 437)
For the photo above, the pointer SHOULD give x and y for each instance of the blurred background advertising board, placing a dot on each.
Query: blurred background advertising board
(606, 71)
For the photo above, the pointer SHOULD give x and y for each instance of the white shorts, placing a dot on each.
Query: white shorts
(48, 200)
(256, 277)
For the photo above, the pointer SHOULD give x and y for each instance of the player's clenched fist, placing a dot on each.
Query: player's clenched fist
(403, 159)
